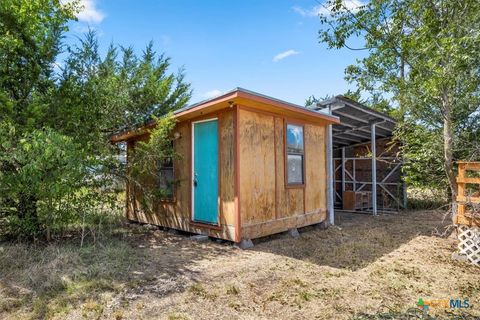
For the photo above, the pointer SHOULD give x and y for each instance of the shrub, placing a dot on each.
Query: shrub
(48, 184)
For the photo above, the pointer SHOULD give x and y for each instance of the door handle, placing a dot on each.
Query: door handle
(195, 182)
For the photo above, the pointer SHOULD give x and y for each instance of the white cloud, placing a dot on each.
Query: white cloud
(285, 54)
(89, 12)
(212, 94)
(324, 9)
(301, 11)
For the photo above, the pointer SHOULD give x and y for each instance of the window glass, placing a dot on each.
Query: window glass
(295, 154)
(295, 169)
(166, 178)
(294, 138)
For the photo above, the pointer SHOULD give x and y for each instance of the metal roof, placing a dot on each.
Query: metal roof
(356, 121)
(239, 89)
(232, 94)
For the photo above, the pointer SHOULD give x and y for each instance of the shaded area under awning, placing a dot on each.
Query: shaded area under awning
(361, 127)
(355, 121)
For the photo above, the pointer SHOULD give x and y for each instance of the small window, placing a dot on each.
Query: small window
(166, 179)
(295, 155)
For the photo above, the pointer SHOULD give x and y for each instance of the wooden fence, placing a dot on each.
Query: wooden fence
(467, 217)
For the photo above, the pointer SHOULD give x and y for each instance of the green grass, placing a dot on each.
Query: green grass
(45, 280)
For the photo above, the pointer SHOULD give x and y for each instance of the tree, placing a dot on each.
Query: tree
(99, 95)
(30, 40)
(422, 57)
(56, 162)
(375, 101)
(30, 34)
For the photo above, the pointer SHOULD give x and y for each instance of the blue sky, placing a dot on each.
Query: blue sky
(268, 46)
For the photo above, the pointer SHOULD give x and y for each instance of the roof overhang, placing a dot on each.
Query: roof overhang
(356, 121)
(240, 97)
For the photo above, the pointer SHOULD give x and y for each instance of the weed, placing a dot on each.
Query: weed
(336, 274)
(118, 315)
(231, 289)
(91, 305)
(198, 290)
(306, 296)
(235, 305)
(175, 316)
(10, 304)
(40, 308)
(299, 282)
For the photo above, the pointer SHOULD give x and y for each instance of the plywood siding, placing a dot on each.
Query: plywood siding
(315, 165)
(289, 200)
(177, 214)
(282, 198)
(257, 167)
(267, 205)
(279, 225)
(130, 189)
(182, 170)
(227, 168)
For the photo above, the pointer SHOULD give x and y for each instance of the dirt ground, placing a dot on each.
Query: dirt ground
(363, 266)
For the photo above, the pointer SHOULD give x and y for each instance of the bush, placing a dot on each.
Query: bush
(144, 164)
(427, 198)
(48, 184)
(56, 162)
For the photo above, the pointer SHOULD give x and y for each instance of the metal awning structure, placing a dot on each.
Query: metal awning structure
(356, 121)
(358, 125)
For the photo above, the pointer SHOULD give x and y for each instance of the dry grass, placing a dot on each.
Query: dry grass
(366, 268)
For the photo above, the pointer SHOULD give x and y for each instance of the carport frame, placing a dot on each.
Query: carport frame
(359, 125)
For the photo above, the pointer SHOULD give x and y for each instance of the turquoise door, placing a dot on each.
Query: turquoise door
(205, 171)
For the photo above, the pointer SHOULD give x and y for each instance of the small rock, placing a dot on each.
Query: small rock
(244, 244)
(293, 233)
(322, 225)
(199, 237)
(459, 257)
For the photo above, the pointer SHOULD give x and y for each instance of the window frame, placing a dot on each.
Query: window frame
(173, 198)
(286, 153)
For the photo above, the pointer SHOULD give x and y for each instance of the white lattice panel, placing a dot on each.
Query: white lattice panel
(469, 243)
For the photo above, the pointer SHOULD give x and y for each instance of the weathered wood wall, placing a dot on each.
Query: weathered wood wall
(177, 214)
(267, 205)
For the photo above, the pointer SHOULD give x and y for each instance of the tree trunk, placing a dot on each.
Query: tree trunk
(448, 150)
(401, 101)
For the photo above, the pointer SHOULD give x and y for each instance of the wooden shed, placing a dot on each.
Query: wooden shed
(250, 166)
